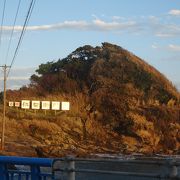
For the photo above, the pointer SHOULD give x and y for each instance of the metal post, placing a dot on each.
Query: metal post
(3, 172)
(35, 172)
(173, 171)
(178, 107)
(70, 169)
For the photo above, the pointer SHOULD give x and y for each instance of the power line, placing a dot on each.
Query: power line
(12, 31)
(22, 34)
(31, 6)
(2, 21)
(31, 9)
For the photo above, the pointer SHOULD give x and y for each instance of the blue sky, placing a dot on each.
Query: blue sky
(149, 29)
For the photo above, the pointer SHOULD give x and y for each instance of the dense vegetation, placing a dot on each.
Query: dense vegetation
(114, 88)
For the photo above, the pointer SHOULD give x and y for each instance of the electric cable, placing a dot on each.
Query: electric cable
(31, 6)
(2, 21)
(12, 32)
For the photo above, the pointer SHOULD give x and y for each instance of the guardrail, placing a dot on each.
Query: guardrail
(114, 169)
(23, 168)
(11, 168)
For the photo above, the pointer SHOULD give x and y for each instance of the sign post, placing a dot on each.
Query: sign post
(45, 105)
(35, 105)
(55, 105)
(25, 104)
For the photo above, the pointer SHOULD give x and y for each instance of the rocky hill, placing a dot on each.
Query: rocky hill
(119, 104)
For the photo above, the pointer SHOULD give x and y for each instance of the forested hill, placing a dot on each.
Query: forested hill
(95, 69)
(111, 86)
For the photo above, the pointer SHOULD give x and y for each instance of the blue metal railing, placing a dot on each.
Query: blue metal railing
(10, 170)
(69, 168)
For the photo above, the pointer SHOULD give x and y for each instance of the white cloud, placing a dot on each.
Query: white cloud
(64, 25)
(96, 24)
(153, 19)
(15, 82)
(94, 16)
(173, 47)
(174, 12)
(164, 35)
(118, 18)
(17, 77)
(114, 25)
(157, 26)
(167, 30)
(15, 87)
(154, 46)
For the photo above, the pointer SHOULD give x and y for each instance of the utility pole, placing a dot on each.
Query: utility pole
(179, 106)
(4, 106)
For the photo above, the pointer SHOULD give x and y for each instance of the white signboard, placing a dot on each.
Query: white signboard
(45, 105)
(17, 104)
(65, 106)
(35, 104)
(11, 104)
(25, 104)
(55, 105)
